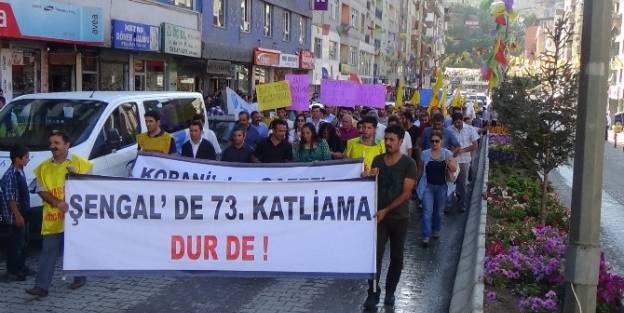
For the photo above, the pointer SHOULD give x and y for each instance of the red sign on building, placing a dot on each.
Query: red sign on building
(306, 59)
(266, 57)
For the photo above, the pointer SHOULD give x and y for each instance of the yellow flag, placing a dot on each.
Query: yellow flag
(438, 83)
(416, 98)
(443, 103)
(399, 95)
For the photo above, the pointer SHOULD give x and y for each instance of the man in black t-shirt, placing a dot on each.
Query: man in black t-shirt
(274, 149)
(396, 177)
(238, 151)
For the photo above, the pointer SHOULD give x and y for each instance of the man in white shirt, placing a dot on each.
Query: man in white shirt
(467, 137)
(316, 117)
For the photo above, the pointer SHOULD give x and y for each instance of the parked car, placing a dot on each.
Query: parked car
(102, 126)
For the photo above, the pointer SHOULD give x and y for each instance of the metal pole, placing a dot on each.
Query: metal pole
(583, 252)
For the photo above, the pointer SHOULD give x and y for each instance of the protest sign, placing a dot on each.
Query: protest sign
(232, 228)
(165, 167)
(300, 91)
(273, 95)
(373, 96)
(339, 93)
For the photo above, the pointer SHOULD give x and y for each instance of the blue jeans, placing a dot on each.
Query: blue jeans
(433, 205)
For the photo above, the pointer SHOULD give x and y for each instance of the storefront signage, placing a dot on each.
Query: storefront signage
(135, 36)
(180, 40)
(289, 60)
(52, 21)
(215, 67)
(266, 57)
(306, 59)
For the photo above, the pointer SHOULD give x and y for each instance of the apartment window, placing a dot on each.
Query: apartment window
(354, 19)
(333, 50)
(302, 30)
(245, 15)
(286, 36)
(218, 13)
(352, 56)
(268, 20)
(333, 9)
(318, 48)
(365, 62)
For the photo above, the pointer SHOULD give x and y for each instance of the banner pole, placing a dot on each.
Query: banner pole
(375, 240)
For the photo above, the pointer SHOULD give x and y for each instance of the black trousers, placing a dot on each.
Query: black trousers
(394, 230)
(15, 250)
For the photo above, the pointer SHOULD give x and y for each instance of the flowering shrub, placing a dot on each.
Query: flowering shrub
(525, 258)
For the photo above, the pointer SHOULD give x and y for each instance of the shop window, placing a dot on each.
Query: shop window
(155, 75)
(268, 20)
(26, 71)
(241, 79)
(89, 72)
(286, 36)
(113, 76)
(119, 131)
(176, 114)
(245, 7)
(218, 13)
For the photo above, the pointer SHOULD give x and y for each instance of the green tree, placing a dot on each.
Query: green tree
(539, 110)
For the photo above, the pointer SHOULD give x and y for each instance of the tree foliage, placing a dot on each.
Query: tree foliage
(539, 109)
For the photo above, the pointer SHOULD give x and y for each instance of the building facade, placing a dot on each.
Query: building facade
(76, 45)
(250, 42)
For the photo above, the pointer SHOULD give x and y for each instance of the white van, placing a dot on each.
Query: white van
(102, 126)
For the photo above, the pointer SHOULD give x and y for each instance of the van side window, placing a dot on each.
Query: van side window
(119, 131)
(176, 114)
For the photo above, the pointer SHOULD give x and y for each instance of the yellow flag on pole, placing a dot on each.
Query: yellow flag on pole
(416, 98)
(399, 95)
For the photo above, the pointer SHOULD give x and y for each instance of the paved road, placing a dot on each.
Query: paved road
(425, 286)
(612, 211)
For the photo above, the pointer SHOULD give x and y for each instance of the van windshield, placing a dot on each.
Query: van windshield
(30, 121)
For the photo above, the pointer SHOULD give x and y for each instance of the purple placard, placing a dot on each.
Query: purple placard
(320, 5)
(339, 93)
(373, 96)
(300, 91)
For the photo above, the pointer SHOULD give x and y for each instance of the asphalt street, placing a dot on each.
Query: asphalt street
(612, 209)
(425, 286)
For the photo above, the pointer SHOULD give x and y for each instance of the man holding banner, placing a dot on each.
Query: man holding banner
(396, 178)
(51, 176)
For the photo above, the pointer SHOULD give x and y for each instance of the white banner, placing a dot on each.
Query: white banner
(275, 228)
(164, 167)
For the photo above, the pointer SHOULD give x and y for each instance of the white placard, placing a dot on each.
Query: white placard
(274, 228)
(164, 167)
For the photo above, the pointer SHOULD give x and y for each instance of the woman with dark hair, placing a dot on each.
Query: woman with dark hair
(311, 148)
(432, 187)
(327, 131)
(294, 134)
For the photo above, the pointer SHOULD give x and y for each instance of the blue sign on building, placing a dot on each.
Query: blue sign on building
(135, 36)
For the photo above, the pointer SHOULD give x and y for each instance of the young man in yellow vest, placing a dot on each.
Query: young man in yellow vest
(50, 176)
(155, 139)
(365, 146)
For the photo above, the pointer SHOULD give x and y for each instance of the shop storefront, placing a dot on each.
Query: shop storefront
(288, 64)
(30, 66)
(265, 60)
(182, 74)
(218, 76)
(147, 70)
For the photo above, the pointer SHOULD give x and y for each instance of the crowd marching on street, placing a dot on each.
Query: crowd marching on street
(416, 154)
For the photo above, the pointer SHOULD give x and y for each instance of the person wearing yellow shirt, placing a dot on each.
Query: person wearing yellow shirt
(365, 146)
(155, 139)
(50, 175)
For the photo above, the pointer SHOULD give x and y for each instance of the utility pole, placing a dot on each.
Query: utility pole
(583, 252)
